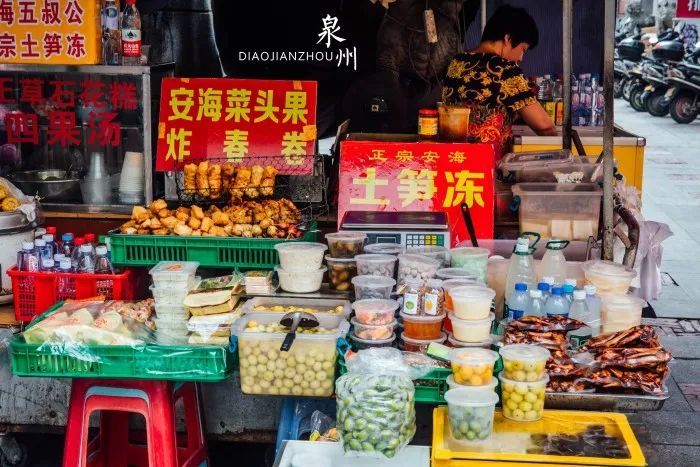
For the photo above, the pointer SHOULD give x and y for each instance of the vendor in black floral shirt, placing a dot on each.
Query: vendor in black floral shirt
(489, 81)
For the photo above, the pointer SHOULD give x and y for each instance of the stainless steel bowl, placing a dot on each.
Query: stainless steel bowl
(49, 185)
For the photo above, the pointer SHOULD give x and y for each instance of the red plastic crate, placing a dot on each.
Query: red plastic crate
(36, 292)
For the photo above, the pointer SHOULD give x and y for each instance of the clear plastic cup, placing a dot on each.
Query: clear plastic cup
(608, 277)
(470, 413)
(472, 259)
(301, 256)
(376, 265)
(523, 401)
(385, 248)
(491, 385)
(422, 326)
(472, 366)
(420, 345)
(345, 244)
(375, 311)
(361, 344)
(373, 332)
(472, 302)
(524, 362)
(373, 287)
(300, 282)
(471, 331)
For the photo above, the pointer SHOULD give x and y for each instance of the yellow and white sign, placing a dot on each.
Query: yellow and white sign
(57, 32)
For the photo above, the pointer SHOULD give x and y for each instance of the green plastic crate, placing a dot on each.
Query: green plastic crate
(228, 252)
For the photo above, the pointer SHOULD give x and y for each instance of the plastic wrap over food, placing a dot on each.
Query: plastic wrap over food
(12, 199)
(376, 413)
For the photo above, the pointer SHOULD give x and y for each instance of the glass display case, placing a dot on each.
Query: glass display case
(81, 137)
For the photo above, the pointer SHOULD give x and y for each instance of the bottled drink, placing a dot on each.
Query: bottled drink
(111, 47)
(557, 304)
(47, 265)
(58, 257)
(131, 34)
(51, 230)
(86, 261)
(43, 249)
(592, 299)
(102, 263)
(568, 292)
(28, 258)
(536, 305)
(49, 239)
(68, 245)
(65, 285)
(90, 240)
(65, 266)
(579, 310)
(520, 270)
(75, 256)
(554, 261)
(543, 287)
(518, 301)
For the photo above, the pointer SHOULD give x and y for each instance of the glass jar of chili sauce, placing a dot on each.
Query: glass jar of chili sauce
(428, 124)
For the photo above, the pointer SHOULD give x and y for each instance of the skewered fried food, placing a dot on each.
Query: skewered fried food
(267, 186)
(190, 173)
(203, 178)
(215, 181)
(157, 206)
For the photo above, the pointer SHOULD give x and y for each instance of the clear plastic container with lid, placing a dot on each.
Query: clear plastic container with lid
(345, 244)
(169, 296)
(172, 312)
(524, 362)
(375, 311)
(608, 277)
(449, 284)
(422, 326)
(174, 274)
(438, 253)
(455, 273)
(472, 302)
(470, 413)
(471, 331)
(471, 259)
(373, 287)
(472, 366)
(300, 282)
(373, 332)
(618, 312)
(361, 344)
(340, 273)
(413, 266)
(301, 256)
(420, 345)
(491, 385)
(523, 401)
(485, 344)
(385, 248)
(375, 265)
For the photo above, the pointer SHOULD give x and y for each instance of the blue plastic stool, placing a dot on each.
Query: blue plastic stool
(295, 417)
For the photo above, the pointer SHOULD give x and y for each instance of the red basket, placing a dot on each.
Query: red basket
(36, 292)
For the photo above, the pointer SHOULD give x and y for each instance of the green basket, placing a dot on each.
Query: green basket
(229, 252)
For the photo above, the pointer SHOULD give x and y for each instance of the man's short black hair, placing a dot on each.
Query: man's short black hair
(514, 22)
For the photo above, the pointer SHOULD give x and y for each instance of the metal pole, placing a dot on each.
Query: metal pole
(608, 127)
(483, 15)
(566, 33)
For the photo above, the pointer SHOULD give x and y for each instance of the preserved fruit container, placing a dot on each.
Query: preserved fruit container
(375, 311)
(345, 244)
(373, 332)
(523, 400)
(472, 366)
(524, 362)
(422, 326)
(420, 345)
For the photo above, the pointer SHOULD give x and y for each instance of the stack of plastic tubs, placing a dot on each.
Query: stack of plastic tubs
(172, 280)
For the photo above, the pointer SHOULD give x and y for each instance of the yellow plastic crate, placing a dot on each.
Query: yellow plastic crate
(510, 439)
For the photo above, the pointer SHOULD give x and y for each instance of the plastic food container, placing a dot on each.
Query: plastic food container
(608, 277)
(420, 345)
(340, 273)
(438, 253)
(422, 326)
(170, 296)
(567, 211)
(376, 265)
(471, 413)
(450, 284)
(472, 259)
(524, 362)
(523, 400)
(385, 248)
(373, 287)
(375, 311)
(373, 332)
(300, 256)
(472, 366)
(455, 273)
(172, 312)
(307, 369)
(490, 386)
(174, 274)
(300, 282)
(361, 344)
(471, 331)
(345, 244)
(176, 327)
(485, 344)
(472, 302)
(618, 312)
(412, 266)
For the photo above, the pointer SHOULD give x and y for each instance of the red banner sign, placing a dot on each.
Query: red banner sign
(381, 176)
(688, 9)
(237, 120)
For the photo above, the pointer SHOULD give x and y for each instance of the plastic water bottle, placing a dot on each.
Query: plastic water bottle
(536, 305)
(28, 258)
(557, 304)
(43, 249)
(520, 270)
(65, 266)
(131, 34)
(579, 310)
(568, 292)
(90, 240)
(58, 257)
(544, 288)
(102, 263)
(49, 239)
(68, 244)
(47, 265)
(65, 285)
(518, 301)
(86, 262)
(554, 261)
(75, 255)
(592, 298)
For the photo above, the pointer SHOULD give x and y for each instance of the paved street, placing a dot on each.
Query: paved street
(672, 195)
